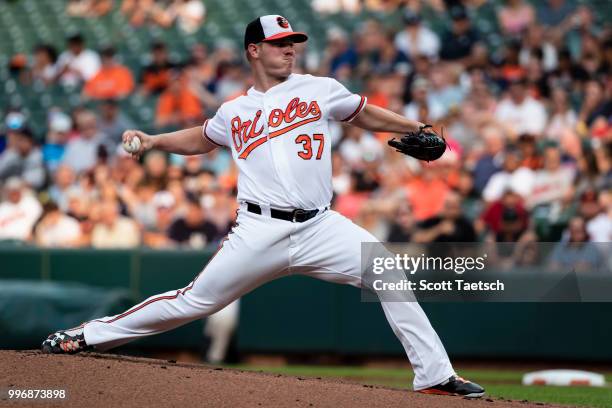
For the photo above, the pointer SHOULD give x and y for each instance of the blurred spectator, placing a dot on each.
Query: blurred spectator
(218, 161)
(568, 74)
(515, 16)
(371, 218)
(225, 51)
(114, 230)
(421, 66)
(457, 43)
(18, 68)
(562, 117)
(512, 226)
(176, 188)
(193, 230)
(402, 225)
(140, 204)
(43, 68)
(599, 225)
(366, 176)
(416, 39)
(445, 88)
(140, 12)
(537, 82)
(56, 229)
(491, 160)
(422, 107)
(536, 46)
(575, 253)
(156, 236)
(510, 68)
(189, 15)
(530, 156)
(553, 13)
(336, 6)
(59, 126)
(113, 80)
(231, 81)
(359, 146)
(79, 204)
(338, 52)
(580, 30)
(77, 64)
(14, 120)
(221, 209)
(23, 158)
(506, 218)
(112, 122)
(470, 200)
(218, 331)
(427, 192)
(155, 76)
(385, 58)
(520, 113)
(64, 178)
(204, 65)
(478, 107)
(156, 166)
(178, 105)
(88, 8)
(19, 210)
(513, 177)
(449, 226)
(341, 176)
(595, 104)
(83, 152)
(553, 181)
(376, 91)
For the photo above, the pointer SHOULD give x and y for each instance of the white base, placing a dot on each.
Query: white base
(564, 378)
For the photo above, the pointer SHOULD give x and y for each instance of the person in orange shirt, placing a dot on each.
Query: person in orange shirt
(178, 105)
(155, 76)
(113, 81)
(427, 192)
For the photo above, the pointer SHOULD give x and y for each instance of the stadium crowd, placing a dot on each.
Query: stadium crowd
(528, 124)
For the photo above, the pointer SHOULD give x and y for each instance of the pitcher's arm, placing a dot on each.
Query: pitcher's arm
(185, 142)
(377, 119)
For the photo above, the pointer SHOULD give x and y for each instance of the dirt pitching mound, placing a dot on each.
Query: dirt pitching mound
(104, 380)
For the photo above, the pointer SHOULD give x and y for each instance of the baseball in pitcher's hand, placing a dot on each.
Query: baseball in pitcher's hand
(146, 141)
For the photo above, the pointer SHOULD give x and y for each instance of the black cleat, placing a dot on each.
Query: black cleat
(456, 386)
(69, 341)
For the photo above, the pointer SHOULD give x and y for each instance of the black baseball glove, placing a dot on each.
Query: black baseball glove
(423, 145)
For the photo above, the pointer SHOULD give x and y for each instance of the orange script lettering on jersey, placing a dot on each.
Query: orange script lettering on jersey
(247, 137)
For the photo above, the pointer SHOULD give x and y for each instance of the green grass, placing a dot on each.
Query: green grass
(500, 383)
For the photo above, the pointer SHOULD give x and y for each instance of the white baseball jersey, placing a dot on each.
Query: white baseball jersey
(280, 139)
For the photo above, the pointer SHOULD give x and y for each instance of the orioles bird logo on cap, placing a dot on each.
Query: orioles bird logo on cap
(282, 21)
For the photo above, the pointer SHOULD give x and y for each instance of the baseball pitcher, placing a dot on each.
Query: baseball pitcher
(279, 137)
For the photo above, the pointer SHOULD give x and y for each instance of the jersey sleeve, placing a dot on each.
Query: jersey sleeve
(342, 104)
(214, 129)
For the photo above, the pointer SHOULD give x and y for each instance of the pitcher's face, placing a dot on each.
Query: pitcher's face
(278, 57)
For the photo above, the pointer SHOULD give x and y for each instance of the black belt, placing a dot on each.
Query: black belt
(297, 215)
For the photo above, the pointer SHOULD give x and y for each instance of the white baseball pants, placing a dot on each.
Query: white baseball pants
(259, 250)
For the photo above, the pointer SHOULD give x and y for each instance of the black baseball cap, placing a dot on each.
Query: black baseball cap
(269, 28)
